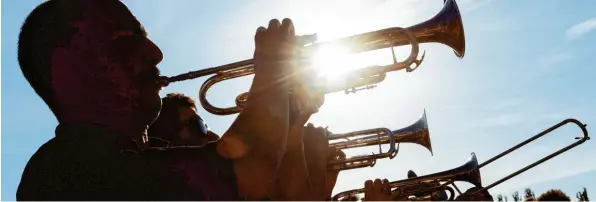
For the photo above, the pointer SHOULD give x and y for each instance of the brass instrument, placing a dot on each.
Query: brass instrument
(470, 172)
(416, 133)
(446, 28)
(424, 185)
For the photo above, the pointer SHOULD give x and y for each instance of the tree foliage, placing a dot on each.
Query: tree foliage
(529, 194)
(582, 195)
(516, 196)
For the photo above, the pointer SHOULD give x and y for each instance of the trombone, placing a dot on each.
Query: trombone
(470, 171)
(416, 133)
(446, 28)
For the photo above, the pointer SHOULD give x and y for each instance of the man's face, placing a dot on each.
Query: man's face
(138, 56)
(119, 57)
(195, 131)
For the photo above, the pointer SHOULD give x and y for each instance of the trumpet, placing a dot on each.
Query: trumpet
(416, 133)
(470, 171)
(446, 28)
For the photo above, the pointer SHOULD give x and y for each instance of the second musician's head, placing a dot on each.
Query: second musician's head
(179, 123)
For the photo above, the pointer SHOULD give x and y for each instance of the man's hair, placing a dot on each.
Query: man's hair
(167, 123)
(45, 29)
(554, 195)
(175, 100)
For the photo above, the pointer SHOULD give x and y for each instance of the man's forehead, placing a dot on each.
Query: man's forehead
(187, 112)
(114, 12)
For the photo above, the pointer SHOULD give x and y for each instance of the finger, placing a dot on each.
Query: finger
(368, 188)
(385, 186)
(289, 38)
(333, 154)
(274, 26)
(288, 26)
(287, 29)
(377, 186)
(321, 131)
(341, 154)
(260, 36)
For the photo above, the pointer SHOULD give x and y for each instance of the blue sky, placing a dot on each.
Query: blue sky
(528, 65)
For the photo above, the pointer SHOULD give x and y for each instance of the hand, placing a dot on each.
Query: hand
(332, 174)
(471, 195)
(378, 191)
(275, 48)
(317, 153)
(257, 139)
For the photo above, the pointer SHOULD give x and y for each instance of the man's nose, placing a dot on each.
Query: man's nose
(154, 53)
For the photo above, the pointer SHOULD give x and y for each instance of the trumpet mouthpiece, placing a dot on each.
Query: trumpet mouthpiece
(163, 81)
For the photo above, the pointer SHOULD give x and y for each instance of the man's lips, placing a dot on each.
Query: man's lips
(162, 82)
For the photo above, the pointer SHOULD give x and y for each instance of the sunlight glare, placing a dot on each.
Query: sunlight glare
(330, 61)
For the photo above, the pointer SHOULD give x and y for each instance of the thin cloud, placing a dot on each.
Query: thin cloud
(506, 104)
(556, 58)
(580, 29)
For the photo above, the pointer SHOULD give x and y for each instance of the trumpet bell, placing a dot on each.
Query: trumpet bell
(466, 173)
(417, 133)
(446, 27)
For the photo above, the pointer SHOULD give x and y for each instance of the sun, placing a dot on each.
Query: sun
(331, 61)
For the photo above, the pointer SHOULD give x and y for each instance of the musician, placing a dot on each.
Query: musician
(179, 124)
(92, 64)
(553, 195)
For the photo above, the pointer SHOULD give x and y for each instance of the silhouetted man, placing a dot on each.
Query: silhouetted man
(92, 64)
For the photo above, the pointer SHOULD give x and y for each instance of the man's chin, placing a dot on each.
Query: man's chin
(152, 107)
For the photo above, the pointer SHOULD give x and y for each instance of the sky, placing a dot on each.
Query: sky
(528, 65)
